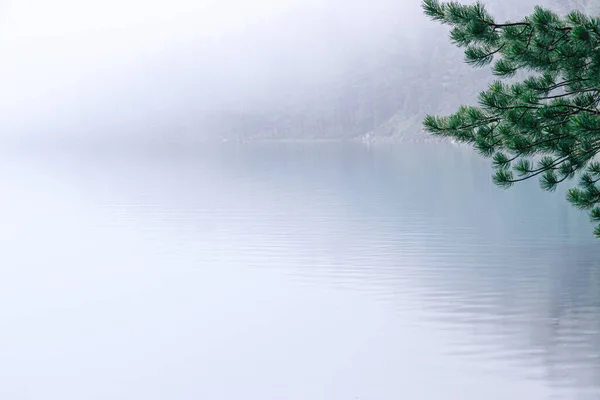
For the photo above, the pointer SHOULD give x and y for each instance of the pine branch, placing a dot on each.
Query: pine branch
(575, 92)
(559, 115)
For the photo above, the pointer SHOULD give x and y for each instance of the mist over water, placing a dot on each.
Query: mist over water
(114, 69)
(196, 70)
(184, 215)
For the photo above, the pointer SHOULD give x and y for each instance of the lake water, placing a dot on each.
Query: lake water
(290, 271)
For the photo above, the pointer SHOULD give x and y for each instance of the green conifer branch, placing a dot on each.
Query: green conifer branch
(552, 113)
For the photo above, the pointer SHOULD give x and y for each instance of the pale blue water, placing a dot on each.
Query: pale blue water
(297, 271)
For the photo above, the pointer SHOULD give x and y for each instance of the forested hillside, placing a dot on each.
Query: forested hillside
(383, 91)
(445, 81)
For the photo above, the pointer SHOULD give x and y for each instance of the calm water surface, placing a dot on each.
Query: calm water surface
(321, 272)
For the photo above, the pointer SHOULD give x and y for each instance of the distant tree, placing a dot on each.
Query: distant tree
(546, 124)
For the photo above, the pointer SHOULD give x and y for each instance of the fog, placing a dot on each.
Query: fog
(140, 261)
(131, 67)
(190, 70)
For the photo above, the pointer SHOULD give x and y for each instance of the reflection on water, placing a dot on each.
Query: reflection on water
(452, 287)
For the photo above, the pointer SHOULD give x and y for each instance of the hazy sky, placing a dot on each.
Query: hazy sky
(115, 66)
(59, 47)
(71, 62)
